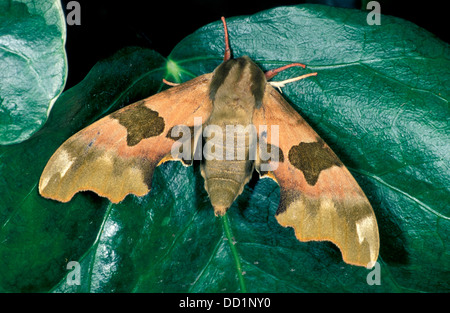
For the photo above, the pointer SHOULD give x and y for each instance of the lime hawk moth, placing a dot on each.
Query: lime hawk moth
(319, 198)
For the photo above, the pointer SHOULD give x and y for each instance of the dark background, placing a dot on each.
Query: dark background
(107, 26)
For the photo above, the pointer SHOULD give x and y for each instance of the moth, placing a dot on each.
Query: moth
(319, 198)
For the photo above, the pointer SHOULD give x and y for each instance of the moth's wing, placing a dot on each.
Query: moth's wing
(319, 197)
(117, 155)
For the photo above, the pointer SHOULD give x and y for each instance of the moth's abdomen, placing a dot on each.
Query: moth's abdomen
(225, 177)
(224, 181)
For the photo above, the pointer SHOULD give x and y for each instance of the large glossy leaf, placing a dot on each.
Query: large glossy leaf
(39, 237)
(33, 65)
(381, 102)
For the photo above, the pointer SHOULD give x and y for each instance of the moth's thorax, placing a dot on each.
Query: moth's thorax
(237, 87)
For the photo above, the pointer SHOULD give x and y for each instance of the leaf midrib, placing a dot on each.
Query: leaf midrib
(234, 253)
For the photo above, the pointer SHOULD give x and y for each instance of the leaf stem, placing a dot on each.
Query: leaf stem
(234, 252)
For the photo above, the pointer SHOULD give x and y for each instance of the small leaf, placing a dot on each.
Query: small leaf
(33, 65)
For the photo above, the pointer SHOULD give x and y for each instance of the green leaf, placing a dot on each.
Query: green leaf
(33, 65)
(380, 100)
(39, 236)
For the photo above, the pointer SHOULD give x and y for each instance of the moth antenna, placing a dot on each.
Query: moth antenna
(227, 54)
(283, 83)
(271, 73)
(169, 83)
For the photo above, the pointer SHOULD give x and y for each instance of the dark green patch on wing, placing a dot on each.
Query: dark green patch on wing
(312, 158)
(141, 123)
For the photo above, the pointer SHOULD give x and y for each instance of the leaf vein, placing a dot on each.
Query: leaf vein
(414, 199)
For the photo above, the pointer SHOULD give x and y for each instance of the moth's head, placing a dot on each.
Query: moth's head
(240, 79)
